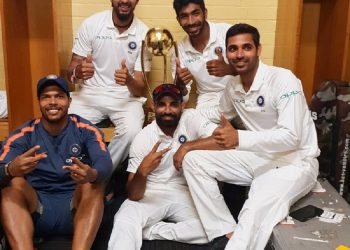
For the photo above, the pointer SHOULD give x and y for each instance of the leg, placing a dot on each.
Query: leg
(86, 105)
(134, 216)
(202, 169)
(128, 120)
(88, 201)
(270, 198)
(18, 202)
(127, 227)
(183, 223)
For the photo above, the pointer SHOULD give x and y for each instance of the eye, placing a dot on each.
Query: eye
(247, 47)
(232, 48)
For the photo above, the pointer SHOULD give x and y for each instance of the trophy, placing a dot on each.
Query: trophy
(158, 42)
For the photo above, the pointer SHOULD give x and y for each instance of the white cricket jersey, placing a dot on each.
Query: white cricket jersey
(207, 86)
(275, 113)
(191, 126)
(99, 37)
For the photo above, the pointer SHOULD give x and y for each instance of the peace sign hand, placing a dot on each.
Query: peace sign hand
(152, 160)
(80, 172)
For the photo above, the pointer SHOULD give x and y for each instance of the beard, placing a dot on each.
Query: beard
(123, 16)
(167, 123)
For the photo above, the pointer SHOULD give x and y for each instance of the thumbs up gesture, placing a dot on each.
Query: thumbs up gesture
(218, 67)
(85, 70)
(225, 135)
(122, 75)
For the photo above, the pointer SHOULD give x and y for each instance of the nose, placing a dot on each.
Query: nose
(190, 20)
(52, 100)
(240, 53)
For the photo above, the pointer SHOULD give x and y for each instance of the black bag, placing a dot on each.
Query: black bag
(330, 107)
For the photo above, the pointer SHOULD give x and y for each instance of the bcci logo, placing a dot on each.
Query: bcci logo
(75, 150)
(132, 45)
(218, 50)
(260, 101)
(182, 139)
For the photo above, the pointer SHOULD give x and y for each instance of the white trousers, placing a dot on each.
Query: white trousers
(273, 190)
(163, 214)
(125, 112)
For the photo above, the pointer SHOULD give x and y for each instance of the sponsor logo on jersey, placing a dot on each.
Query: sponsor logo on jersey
(182, 139)
(69, 161)
(260, 101)
(239, 100)
(290, 94)
(132, 45)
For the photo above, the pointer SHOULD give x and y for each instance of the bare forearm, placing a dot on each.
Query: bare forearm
(136, 85)
(136, 186)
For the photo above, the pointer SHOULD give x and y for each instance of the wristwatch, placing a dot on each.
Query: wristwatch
(6, 167)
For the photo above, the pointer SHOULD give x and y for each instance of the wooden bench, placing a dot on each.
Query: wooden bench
(315, 234)
(4, 129)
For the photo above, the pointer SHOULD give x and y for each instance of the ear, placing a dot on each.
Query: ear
(259, 50)
(205, 13)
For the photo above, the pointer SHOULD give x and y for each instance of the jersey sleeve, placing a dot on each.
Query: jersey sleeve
(137, 152)
(199, 126)
(83, 42)
(98, 153)
(15, 145)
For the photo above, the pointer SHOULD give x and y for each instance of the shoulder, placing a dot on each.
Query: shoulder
(84, 125)
(140, 24)
(220, 28)
(98, 16)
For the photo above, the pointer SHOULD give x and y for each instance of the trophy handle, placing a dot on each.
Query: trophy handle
(143, 69)
(177, 56)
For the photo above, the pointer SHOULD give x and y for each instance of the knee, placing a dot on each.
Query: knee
(90, 192)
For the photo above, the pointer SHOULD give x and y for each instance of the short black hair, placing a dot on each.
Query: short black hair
(243, 28)
(179, 4)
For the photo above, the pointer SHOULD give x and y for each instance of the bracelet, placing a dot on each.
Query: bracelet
(74, 75)
(7, 172)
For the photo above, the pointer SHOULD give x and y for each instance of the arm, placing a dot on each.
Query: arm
(21, 164)
(136, 185)
(224, 137)
(100, 160)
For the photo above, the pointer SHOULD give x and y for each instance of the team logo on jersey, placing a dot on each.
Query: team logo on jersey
(75, 150)
(182, 139)
(260, 101)
(218, 50)
(132, 45)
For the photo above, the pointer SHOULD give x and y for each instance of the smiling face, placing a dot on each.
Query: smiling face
(168, 112)
(124, 9)
(242, 53)
(192, 19)
(54, 104)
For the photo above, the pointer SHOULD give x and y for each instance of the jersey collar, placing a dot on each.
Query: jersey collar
(130, 31)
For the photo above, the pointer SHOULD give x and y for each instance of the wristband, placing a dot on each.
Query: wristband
(6, 167)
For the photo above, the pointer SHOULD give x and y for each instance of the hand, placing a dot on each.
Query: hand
(122, 76)
(26, 162)
(80, 172)
(218, 67)
(179, 156)
(85, 70)
(183, 76)
(225, 135)
(152, 160)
